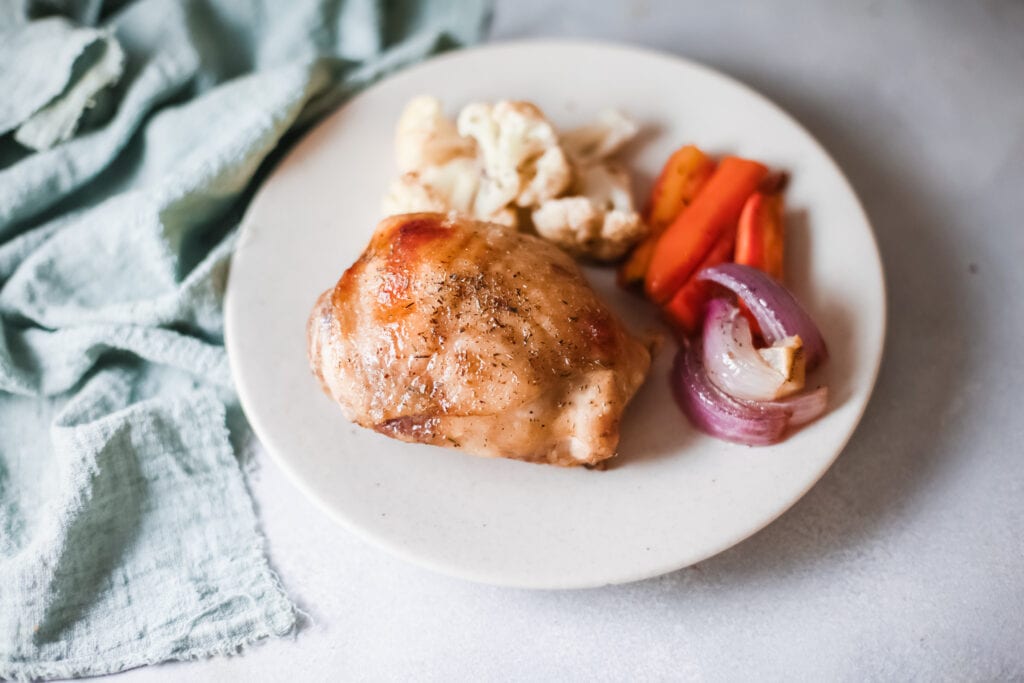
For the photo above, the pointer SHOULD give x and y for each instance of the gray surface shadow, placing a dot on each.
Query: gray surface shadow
(894, 454)
(653, 427)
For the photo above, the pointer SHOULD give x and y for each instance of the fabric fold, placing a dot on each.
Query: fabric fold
(127, 535)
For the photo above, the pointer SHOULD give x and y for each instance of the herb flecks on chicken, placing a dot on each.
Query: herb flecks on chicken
(472, 335)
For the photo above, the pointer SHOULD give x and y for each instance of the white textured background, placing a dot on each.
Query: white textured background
(907, 560)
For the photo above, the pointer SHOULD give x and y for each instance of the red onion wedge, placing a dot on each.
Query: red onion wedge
(754, 423)
(740, 370)
(804, 408)
(776, 310)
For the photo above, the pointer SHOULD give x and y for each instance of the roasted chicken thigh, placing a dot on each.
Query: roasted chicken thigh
(459, 333)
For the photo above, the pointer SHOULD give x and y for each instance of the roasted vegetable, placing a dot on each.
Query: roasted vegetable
(685, 310)
(683, 175)
(760, 235)
(713, 214)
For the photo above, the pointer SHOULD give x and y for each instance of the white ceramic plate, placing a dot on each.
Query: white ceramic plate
(673, 496)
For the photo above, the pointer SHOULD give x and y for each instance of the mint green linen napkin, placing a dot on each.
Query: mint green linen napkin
(127, 535)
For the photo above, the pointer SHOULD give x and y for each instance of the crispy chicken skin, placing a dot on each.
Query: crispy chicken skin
(471, 335)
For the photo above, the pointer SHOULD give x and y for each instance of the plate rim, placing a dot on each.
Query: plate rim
(396, 549)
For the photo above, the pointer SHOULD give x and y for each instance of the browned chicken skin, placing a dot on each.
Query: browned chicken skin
(456, 333)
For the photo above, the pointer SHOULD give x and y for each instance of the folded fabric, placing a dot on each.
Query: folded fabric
(127, 536)
(46, 102)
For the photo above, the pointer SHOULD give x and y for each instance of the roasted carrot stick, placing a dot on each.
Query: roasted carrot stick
(760, 234)
(687, 241)
(683, 175)
(680, 179)
(760, 238)
(685, 310)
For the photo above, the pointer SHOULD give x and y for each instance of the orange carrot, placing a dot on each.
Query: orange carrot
(685, 310)
(713, 213)
(680, 179)
(633, 270)
(760, 234)
(683, 175)
(759, 239)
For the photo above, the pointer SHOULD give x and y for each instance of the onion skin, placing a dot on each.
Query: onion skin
(776, 310)
(716, 413)
(752, 423)
(804, 408)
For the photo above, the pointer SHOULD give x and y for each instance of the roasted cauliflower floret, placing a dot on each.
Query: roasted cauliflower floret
(426, 137)
(501, 159)
(552, 174)
(445, 188)
(598, 221)
(448, 187)
(520, 155)
(596, 141)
